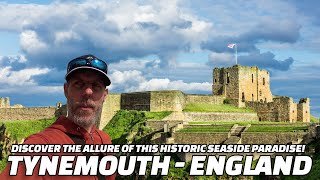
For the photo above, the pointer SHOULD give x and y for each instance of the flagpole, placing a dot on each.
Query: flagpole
(236, 54)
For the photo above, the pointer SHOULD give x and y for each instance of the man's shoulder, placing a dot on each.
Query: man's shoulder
(106, 138)
(47, 136)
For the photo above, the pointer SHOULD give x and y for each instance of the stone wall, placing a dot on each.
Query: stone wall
(154, 101)
(218, 87)
(136, 101)
(219, 116)
(271, 137)
(282, 109)
(167, 101)
(27, 113)
(208, 99)
(199, 138)
(111, 105)
(157, 125)
(254, 84)
(226, 82)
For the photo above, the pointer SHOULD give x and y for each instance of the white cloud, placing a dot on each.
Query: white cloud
(221, 59)
(114, 30)
(133, 81)
(20, 78)
(130, 64)
(63, 36)
(33, 89)
(166, 84)
(13, 58)
(31, 43)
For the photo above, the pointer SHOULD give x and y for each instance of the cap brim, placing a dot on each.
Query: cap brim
(106, 78)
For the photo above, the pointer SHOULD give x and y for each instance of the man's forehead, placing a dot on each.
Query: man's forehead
(86, 74)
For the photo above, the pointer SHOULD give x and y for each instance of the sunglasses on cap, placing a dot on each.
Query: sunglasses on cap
(89, 61)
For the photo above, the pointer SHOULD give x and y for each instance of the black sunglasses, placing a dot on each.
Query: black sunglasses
(90, 61)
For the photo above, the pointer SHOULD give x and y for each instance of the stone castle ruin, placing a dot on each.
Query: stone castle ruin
(250, 87)
(238, 85)
(241, 86)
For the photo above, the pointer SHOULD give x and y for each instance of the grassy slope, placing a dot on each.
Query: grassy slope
(21, 129)
(24, 128)
(126, 123)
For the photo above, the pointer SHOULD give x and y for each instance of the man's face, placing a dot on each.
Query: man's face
(85, 93)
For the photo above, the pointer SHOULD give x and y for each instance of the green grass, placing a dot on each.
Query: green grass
(277, 128)
(194, 107)
(314, 119)
(157, 115)
(3, 163)
(125, 123)
(24, 128)
(19, 130)
(243, 123)
(207, 129)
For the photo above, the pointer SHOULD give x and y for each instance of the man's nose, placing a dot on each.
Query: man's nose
(88, 90)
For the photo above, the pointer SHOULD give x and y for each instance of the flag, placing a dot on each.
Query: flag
(231, 45)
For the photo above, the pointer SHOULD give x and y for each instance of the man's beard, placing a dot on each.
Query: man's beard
(80, 117)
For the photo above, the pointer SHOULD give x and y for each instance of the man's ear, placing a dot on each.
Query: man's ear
(65, 88)
(105, 93)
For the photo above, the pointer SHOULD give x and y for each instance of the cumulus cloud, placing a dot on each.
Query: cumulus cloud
(20, 78)
(13, 58)
(31, 43)
(141, 65)
(133, 81)
(221, 59)
(269, 29)
(266, 60)
(166, 84)
(30, 90)
(262, 60)
(110, 30)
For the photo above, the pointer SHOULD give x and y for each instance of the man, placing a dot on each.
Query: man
(85, 90)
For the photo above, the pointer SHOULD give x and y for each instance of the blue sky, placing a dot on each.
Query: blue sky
(156, 45)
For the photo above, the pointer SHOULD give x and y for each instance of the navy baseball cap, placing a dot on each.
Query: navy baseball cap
(89, 62)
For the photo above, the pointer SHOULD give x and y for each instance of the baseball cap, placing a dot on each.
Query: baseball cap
(88, 62)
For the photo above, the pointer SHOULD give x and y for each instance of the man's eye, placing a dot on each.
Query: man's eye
(78, 84)
(97, 86)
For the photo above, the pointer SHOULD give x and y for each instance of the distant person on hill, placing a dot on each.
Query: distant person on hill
(85, 89)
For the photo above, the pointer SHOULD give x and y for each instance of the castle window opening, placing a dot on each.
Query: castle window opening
(243, 99)
(228, 77)
(252, 97)
(252, 78)
(215, 80)
(263, 81)
(260, 93)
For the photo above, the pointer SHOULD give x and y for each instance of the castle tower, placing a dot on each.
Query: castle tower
(2, 102)
(303, 110)
(7, 102)
(242, 83)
